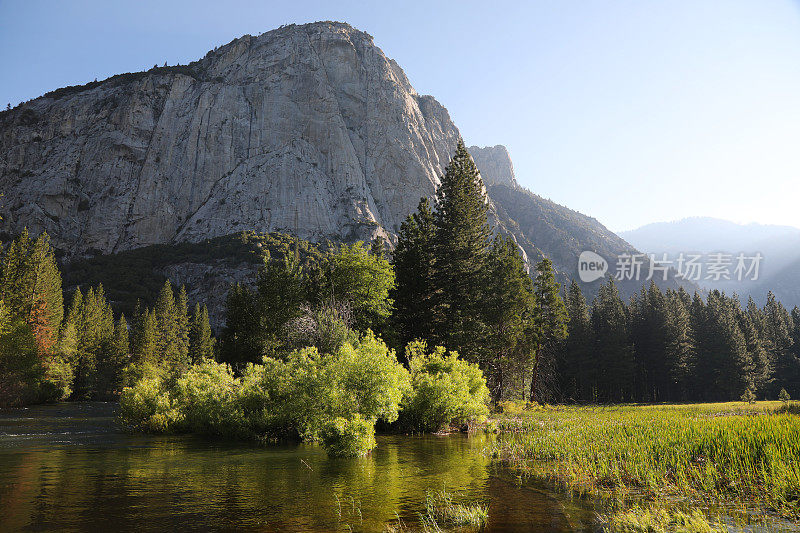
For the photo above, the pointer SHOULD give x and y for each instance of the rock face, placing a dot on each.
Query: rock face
(495, 165)
(306, 129)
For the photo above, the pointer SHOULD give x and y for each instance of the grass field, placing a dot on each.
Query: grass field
(747, 455)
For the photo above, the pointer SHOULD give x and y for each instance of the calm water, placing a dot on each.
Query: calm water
(69, 467)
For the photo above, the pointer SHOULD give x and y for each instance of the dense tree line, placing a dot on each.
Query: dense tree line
(671, 346)
(49, 354)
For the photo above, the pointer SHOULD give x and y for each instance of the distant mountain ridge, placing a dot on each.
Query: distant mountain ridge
(779, 269)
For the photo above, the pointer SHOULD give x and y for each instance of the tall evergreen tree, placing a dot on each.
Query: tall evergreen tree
(612, 346)
(30, 286)
(551, 324)
(752, 324)
(95, 339)
(793, 370)
(144, 339)
(172, 346)
(413, 265)
(649, 319)
(509, 308)
(113, 357)
(724, 350)
(201, 343)
(462, 239)
(182, 321)
(577, 368)
(680, 344)
(778, 342)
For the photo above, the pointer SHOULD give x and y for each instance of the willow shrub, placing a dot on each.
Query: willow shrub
(344, 437)
(333, 397)
(446, 391)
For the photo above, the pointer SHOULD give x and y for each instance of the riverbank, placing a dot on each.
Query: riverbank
(731, 455)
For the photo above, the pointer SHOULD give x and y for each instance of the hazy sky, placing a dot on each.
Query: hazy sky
(630, 111)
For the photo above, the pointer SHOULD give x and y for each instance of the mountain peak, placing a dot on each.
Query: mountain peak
(309, 130)
(494, 163)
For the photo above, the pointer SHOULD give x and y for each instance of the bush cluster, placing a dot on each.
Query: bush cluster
(335, 399)
(446, 390)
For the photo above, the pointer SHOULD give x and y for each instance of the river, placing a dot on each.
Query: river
(71, 467)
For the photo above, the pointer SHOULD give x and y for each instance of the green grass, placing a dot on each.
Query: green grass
(657, 520)
(441, 511)
(728, 453)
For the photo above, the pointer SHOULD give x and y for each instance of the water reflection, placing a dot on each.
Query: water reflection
(68, 467)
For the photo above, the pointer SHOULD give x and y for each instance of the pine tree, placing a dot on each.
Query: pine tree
(551, 324)
(20, 368)
(778, 327)
(752, 324)
(612, 346)
(166, 325)
(182, 325)
(145, 339)
(413, 265)
(172, 329)
(95, 332)
(725, 349)
(680, 347)
(201, 343)
(114, 355)
(462, 239)
(650, 331)
(509, 308)
(30, 286)
(577, 368)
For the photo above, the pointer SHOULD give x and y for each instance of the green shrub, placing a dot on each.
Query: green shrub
(784, 396)
(348, 438)
(57, 380)
(334, 397)
(208, 398)
(748, 396)
(303, 393)
(511, 408)
(148, 406)
(446, 390)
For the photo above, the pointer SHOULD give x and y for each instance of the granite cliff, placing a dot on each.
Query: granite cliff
(306, 129)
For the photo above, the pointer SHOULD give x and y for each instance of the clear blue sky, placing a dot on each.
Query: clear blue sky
(630, 111)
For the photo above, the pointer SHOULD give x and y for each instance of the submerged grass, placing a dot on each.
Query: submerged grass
(658, 520)
(441, 511)
(735, 452)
